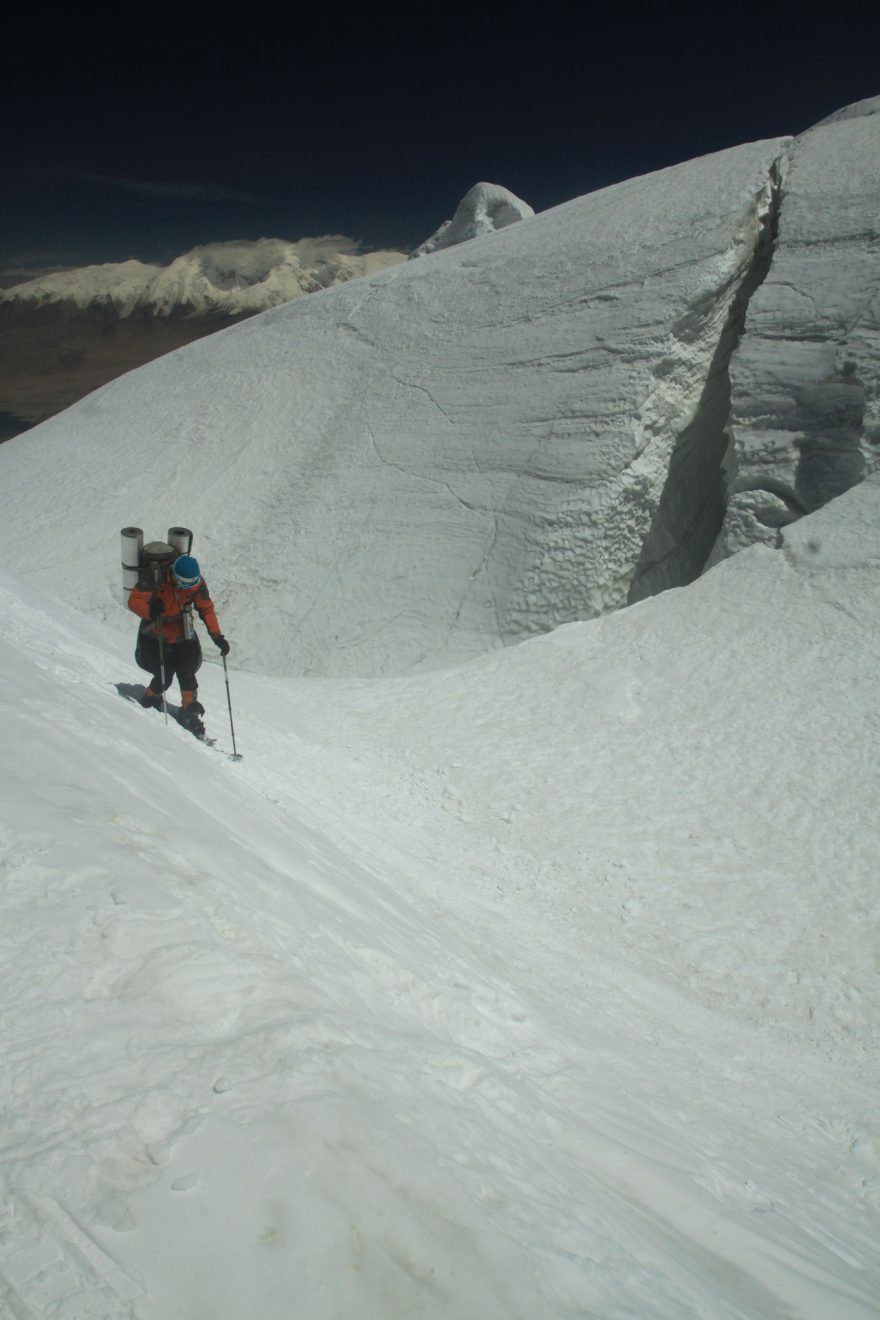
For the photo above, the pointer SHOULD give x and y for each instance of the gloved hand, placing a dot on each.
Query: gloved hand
(155, 607)
(221, 643)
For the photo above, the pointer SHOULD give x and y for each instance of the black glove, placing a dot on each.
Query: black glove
(221, 643)
(155, 607)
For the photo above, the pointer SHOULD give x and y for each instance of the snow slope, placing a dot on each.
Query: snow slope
(541, 988)
(435, 461)
(215, 279)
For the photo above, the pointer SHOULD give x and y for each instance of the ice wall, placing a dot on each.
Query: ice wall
(805, 400)
(692, 504)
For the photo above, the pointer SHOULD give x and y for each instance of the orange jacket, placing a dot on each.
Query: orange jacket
(173, 598)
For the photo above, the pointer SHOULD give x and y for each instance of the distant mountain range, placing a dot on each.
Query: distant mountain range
(218, 279)
(67, 333)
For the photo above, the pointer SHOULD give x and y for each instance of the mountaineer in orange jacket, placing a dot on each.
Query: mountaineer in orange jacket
(166, 611)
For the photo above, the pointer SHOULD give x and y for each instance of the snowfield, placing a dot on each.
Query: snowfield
(536, 986)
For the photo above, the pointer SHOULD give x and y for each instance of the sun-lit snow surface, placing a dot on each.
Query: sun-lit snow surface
(483, 209)
(805, 409)
(869, 106)
(225, 278)
(433, 461)
(542, 988)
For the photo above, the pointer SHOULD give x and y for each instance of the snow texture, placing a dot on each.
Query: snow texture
(483, 209)
(536, 988)
(544, 987)
(218, 278)
(805, 410)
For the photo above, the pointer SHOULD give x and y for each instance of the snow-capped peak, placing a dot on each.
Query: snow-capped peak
(483, 209)
(121, 283)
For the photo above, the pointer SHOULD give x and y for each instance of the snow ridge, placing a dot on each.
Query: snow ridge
(452, 455)
(509, 408)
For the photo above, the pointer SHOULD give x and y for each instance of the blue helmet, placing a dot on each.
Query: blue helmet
(186, 571)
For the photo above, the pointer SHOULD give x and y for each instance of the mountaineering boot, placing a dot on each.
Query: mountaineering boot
(150, 700)
(190, 717)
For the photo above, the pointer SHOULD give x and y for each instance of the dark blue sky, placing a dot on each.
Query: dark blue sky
(146, 140)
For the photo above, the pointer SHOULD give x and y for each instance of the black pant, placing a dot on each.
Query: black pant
(181, 658)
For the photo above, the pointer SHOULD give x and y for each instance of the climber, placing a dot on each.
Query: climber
(167, 591)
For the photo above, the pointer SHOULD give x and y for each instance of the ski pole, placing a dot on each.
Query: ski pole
(235, 754)
(162, 666)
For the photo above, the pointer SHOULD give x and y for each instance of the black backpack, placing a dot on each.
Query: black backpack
(156, 559)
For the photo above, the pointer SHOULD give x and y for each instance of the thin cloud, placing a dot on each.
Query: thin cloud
(197, 192)
(191, 191)
(23, 266)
